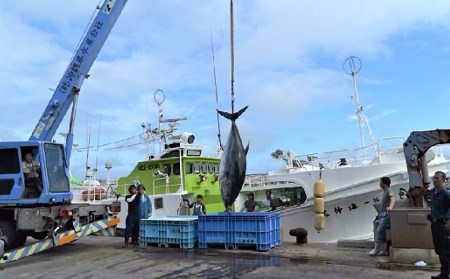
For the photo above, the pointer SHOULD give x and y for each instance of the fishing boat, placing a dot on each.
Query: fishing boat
(178, 172)
(351, 177)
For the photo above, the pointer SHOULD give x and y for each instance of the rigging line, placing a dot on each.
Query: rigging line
(97, 8)
(232, 56)
(217, 95)
(128, 145)
(112, 142)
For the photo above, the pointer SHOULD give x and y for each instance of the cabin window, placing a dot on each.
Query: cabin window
(204, 168)
(211, 168)
(158, 203)
(216, 168)
(6, 186)
(302, 196)
(9, 161)
(56, 168)
(196, 168)
(176, 169)
(194, 152)
(171, 154)
(189, 168)
(297, 196)
(166, 169)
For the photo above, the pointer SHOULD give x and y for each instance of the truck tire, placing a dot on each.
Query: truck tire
(8, 234)
(21, 238)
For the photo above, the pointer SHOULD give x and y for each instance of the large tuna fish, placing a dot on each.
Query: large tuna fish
(233, 164)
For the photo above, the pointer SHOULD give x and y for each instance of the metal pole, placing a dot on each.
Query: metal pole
(232, 56)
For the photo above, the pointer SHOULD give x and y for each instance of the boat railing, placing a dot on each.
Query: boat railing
(344, 157)
(254, 181)
(166, 185)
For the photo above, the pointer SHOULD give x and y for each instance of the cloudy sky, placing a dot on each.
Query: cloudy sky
(288, 69)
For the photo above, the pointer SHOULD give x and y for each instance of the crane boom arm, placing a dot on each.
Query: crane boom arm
(415, 149)
(78, 69)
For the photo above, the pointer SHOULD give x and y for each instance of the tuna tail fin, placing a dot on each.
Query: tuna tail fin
(246, 149)
(232, 116)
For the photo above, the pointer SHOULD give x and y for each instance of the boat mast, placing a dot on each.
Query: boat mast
(352, 65)
(162, 133)
(159, 98)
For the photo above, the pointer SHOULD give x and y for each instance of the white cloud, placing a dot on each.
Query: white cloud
(288, 57)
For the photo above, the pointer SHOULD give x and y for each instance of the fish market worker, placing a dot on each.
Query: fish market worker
(440, 222)
(145, 206)
(199, 207)
(250, 204)
(132, 222)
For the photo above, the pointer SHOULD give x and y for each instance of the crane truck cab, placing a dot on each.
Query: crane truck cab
(31, 206)
(48, 185)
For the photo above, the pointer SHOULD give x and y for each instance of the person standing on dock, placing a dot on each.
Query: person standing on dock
(132, 221)
(387, 203)
(145, 206)
(440, 222)
(199, 207)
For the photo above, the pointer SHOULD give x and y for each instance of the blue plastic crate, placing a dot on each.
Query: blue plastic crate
(260, 229)
(170, 226)
(149, 228)
(182, 229)
(213, 237)
(168, 230)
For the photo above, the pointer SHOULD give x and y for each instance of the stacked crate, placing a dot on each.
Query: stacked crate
(236, 230)
(169, 230)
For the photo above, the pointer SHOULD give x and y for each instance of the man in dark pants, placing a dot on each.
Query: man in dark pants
(440, 223)
(132, 222)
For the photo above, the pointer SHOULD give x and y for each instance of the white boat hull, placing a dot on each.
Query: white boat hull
(350, 196)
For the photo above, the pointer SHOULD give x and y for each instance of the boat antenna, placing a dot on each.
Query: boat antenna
(232, 56)
(217, 95)
(89, 144)
(98, 143)
(352, 65)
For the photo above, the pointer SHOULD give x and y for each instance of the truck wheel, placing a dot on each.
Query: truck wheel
(8, 234)
(21, 238)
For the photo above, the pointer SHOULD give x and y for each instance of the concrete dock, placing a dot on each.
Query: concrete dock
(103, 257)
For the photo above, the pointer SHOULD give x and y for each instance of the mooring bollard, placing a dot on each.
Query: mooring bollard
(301, 234)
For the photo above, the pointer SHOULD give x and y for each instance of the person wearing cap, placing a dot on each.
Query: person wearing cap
(132, 221)
(145, 206)
(250, 204)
